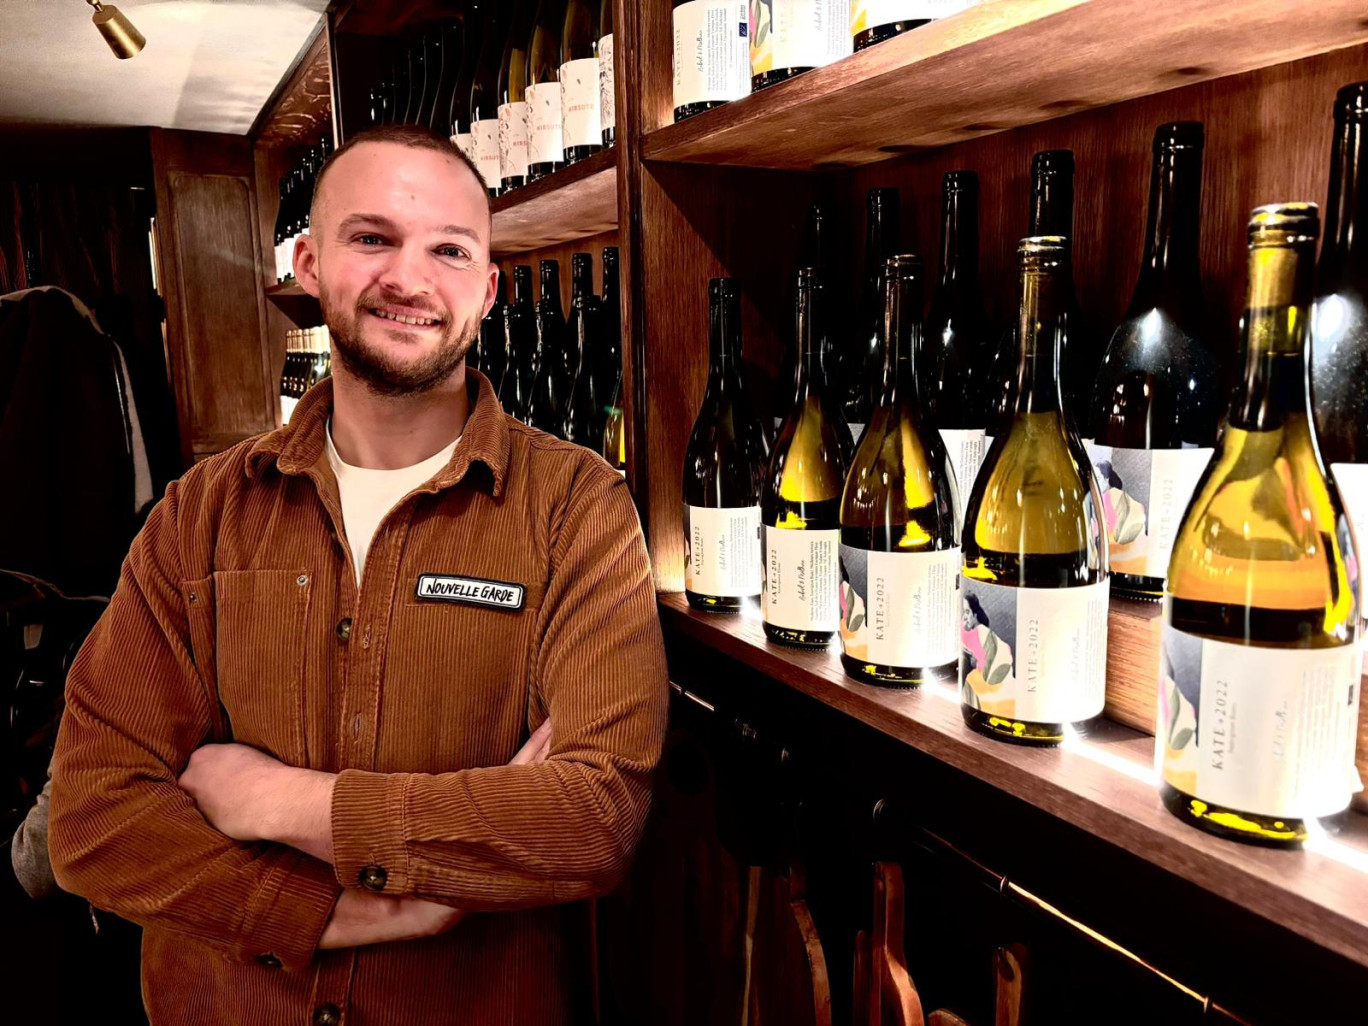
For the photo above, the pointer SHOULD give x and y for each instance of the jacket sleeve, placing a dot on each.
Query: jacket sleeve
(121, 831)
(508, 837)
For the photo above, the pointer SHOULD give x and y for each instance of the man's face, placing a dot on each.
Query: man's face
(398, 256)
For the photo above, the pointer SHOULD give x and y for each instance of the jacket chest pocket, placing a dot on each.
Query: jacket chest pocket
(260, 619)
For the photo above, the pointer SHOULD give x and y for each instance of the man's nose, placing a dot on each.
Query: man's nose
(407, 272)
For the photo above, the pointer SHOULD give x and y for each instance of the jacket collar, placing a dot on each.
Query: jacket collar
(299, 446)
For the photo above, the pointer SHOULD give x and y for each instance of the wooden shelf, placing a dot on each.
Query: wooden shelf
(300, 111)
(1103, 785)
(996, 66)
(287, 290)
(575, 202)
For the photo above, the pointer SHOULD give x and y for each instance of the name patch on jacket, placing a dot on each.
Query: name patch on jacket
(474, 590)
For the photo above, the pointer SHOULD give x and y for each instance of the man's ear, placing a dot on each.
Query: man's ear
(491, 288)
(306, 264)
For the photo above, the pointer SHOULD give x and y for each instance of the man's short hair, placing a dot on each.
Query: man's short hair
(418, 137)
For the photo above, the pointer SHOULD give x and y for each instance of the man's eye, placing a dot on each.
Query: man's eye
(370, 239)
(455, 252)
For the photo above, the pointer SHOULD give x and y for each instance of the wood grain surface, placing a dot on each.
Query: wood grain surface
(576, 201)
(300, 110)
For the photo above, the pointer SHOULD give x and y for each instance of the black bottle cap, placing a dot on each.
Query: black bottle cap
(1053, 162)
(581, 262)
(522, 272)
(1351, 102)
(960, 181)
(1179, 135)
(723, 288)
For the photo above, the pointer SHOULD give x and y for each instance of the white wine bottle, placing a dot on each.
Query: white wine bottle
(1156, 404)
(484, 100)
(900, 527)
(581, 125)
(788, 37)
(512, 102)
(861, 359)
(607, 74)
(1259, 674)
(724, 466)
(873, 21)
(1033, 657)
(801, 504)
(711, 60)
(545, 150)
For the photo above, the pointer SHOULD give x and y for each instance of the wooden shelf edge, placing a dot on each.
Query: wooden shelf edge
(573, 203)
(287, 290)
(1103, 786)
(300, 110)
(1055, 57)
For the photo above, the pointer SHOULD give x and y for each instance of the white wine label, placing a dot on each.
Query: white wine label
(802, 583)
(711, 57)
(512, 140)
(722, 551)
(579, 82)
(1263, 730)
(607, 93)
(966, 447)
(1352, 481)
(900, 608)
(866, 14)
(798, 33)
(280, 261)
(1145, 493)
(1034, 654)
(486, 145)
(544, 123)
(287, 408)
(465, 142)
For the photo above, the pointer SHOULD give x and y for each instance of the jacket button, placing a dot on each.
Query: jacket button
(269, 961)
(373, 878)
(327, 1015)
(344, 629)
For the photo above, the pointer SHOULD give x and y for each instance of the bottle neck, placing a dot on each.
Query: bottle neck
(1042, 327)
(724, 342)
(881, 240)
(1275, 331)
(959, 240)
(550, 290)
(522, 290)
(1169, 269)
(1052, 204)
(610, 284)
(1344, 257)
(811, 326)
(581, 283)
(902, 341)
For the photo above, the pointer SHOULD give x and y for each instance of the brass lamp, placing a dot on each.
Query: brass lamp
(118, 31)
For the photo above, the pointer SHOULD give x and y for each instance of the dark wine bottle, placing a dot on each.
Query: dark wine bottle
(607, 74)
(551, 383)
(583, 412)
(545, 132)
(609, 369)
(403, 87)
(1152, 423)
(724, 467)
(512, 103)
(711, 56)
(958, 346)
(788, 37)
(520, 345)
(473, 27)
(861, 364)
(386, 92)
(420, 88)
(492, 353)
(430, 46)
(282, 214)
(581, 126)
(484, 99)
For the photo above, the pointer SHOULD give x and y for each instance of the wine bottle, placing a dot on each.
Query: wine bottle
(581, 126)
(610, 321)
(801, 501)
(444, 56)
(615, 434)
(545, 152)
(422, 85)
(493, 356)
(900, 527)
(429, 47)
(551, 382)
(473, 28)
(512, 105)
(724, 465)
(1033, 655)
(520, 344)
(873, 21)
(711, 57)
(403, 88)
(484, 101)
(282, 212)
(607, 74)
(958, 345)
(319, 359)
(1259, 673)
(1152, 422)
(861, 363)
(815, 251)
(583, 411)
(788, 37)
(287, 376)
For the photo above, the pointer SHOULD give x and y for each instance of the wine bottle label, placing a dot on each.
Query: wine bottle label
(1352, 481)
(486, 150)
(544, 123)
(867, 14)
(512, 140)
(579, 83)
(711, 58)
(900, 608)
(607, 93)
(287, 407)
(1145, 493)
(1264, 730)
(722, 550)
(1034, 654)
(966, 448)
(279, 261)
(798, 33)
(801, 585)
(465, 142)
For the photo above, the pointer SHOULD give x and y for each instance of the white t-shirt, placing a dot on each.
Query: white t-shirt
(367, 495)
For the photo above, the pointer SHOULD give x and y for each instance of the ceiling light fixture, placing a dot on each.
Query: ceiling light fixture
(125, 40)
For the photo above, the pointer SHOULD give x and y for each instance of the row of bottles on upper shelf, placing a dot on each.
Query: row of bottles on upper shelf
(296, 197)
(560, 374)
(972, 535)
(725, 49)
(520, 95)
(308, 360)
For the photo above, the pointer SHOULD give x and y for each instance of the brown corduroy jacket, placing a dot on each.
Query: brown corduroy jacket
(238, 617)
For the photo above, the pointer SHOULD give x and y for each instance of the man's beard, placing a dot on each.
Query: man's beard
(382, 375)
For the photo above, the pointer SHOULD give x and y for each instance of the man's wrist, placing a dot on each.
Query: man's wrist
(297, 811)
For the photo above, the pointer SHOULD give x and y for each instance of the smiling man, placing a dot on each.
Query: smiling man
(381, 690)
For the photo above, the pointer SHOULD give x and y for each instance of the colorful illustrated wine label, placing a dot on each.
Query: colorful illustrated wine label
(711, 53)
(722, 551)
(1269, 731)
(486, 150)
(544, 123)
(865, 14)
(966, 448)
(802, 579)
(1145, 493)
(607, 93)
(579, 83)
(798, 33)
(1034, 654)
(513, 140)
(900, 609)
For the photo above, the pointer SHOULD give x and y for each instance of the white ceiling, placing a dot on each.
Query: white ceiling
(208, 65)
